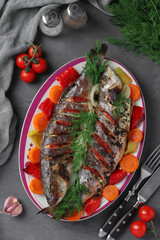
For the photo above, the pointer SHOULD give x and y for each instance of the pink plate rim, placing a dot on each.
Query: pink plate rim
(29, 115)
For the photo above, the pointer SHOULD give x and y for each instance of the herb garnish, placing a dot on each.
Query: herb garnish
(82, 128)
(139, 22)
(72, 201)
(94, 66)
(120, 104)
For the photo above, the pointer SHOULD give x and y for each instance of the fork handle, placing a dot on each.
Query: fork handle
(110, 223)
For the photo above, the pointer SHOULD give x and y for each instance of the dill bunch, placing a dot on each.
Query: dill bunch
(94, 66)
(82, 129)
(72, 201)
(139, 22)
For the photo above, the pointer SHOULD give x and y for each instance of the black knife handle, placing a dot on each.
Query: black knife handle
(123, 221)
(109, 225)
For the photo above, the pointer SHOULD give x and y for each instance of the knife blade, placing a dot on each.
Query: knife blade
(143, 195)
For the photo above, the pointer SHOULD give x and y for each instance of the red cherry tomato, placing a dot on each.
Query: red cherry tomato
(33, 49)
(20, 60)
(28, 76)
(138, 229)
(41, 66)
(146, 213)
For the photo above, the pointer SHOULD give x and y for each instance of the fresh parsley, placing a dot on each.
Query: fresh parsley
(94, 66)
(139, 22)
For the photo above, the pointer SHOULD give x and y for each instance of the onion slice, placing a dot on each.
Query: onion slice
(126, 91)
(94, 91)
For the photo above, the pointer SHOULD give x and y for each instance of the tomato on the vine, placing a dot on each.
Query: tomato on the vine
(40, 65)
(22, 60)
(146, 213)
(138, 228)
(33, 49)
(28, 75)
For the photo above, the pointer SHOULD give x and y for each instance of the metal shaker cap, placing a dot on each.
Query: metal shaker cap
(51, 18)
(75, 11)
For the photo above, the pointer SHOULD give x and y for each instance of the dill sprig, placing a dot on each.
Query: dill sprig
(72, 201)
(82, 128)
(94, 66)
(120, 104)
(139, 22)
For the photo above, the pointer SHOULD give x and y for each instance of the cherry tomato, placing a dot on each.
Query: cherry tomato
(41, 66)
(28, 76)
(20, 60)
(32, 50)
(138, 229)
(146, 213)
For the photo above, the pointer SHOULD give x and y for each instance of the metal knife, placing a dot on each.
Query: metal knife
(143, 195)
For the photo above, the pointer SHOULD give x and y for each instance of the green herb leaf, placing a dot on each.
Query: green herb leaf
(139, 22)
(120, 104)
(94, 66)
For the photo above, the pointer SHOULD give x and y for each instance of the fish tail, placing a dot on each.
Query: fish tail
(48, 210)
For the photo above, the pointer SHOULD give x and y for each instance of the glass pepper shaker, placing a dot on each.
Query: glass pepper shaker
(75, 16)
(51, 23)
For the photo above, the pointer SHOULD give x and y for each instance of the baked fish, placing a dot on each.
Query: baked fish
(109, 139)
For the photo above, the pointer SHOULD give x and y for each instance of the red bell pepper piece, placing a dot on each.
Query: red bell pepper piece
(91, 205)
(93, 171)
(102, 142)
(137, 116)
(47, 108)
(68, 76)
(117, 176)
(33, 169)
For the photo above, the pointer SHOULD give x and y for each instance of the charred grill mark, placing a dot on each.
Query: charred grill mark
(113, 94)
(57, 133)
(108, 116)
(77, 99)
(98, 157)
(63, 123)
(63, 173)
(105, 129)
(56, 146)
(93, 171)
(102, 143)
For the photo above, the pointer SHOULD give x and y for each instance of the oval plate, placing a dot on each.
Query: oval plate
(25, 143)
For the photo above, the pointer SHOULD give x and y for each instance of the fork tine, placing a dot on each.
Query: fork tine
(156, 163)
(154, 158)
(151, 157)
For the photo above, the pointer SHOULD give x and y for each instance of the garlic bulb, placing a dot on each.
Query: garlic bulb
(12, 206)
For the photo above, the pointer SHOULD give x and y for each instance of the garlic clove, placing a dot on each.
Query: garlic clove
(12, 206)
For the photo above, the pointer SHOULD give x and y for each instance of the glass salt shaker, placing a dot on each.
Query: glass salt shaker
(75, 16)
(51, 23)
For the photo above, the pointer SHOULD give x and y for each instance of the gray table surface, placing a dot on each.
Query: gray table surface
(58, 51)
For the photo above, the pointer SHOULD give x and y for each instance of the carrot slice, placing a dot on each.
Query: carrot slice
(34, 155)
(55, 93)
(135, 92)
(75, 216)
(110, 192)
(35, 186)
(129, 163)
(136, 135)
(40, 121)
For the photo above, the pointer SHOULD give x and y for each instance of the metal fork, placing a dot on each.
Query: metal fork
(148, 167)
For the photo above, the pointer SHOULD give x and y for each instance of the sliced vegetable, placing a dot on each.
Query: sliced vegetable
(110, 192)
(91, 205)
(47, 108)
(34, 155)
(35, 186)
(33, 169)
(75, 216)
(55, 93)
(125, 79)
(126, 91)
(94, 92)
(129, 163)
(131, 147)
(40, 121)
(135, 92)
(136, 135)
(117, 176)
(68, 76)
(137, 116)
(36, 137)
